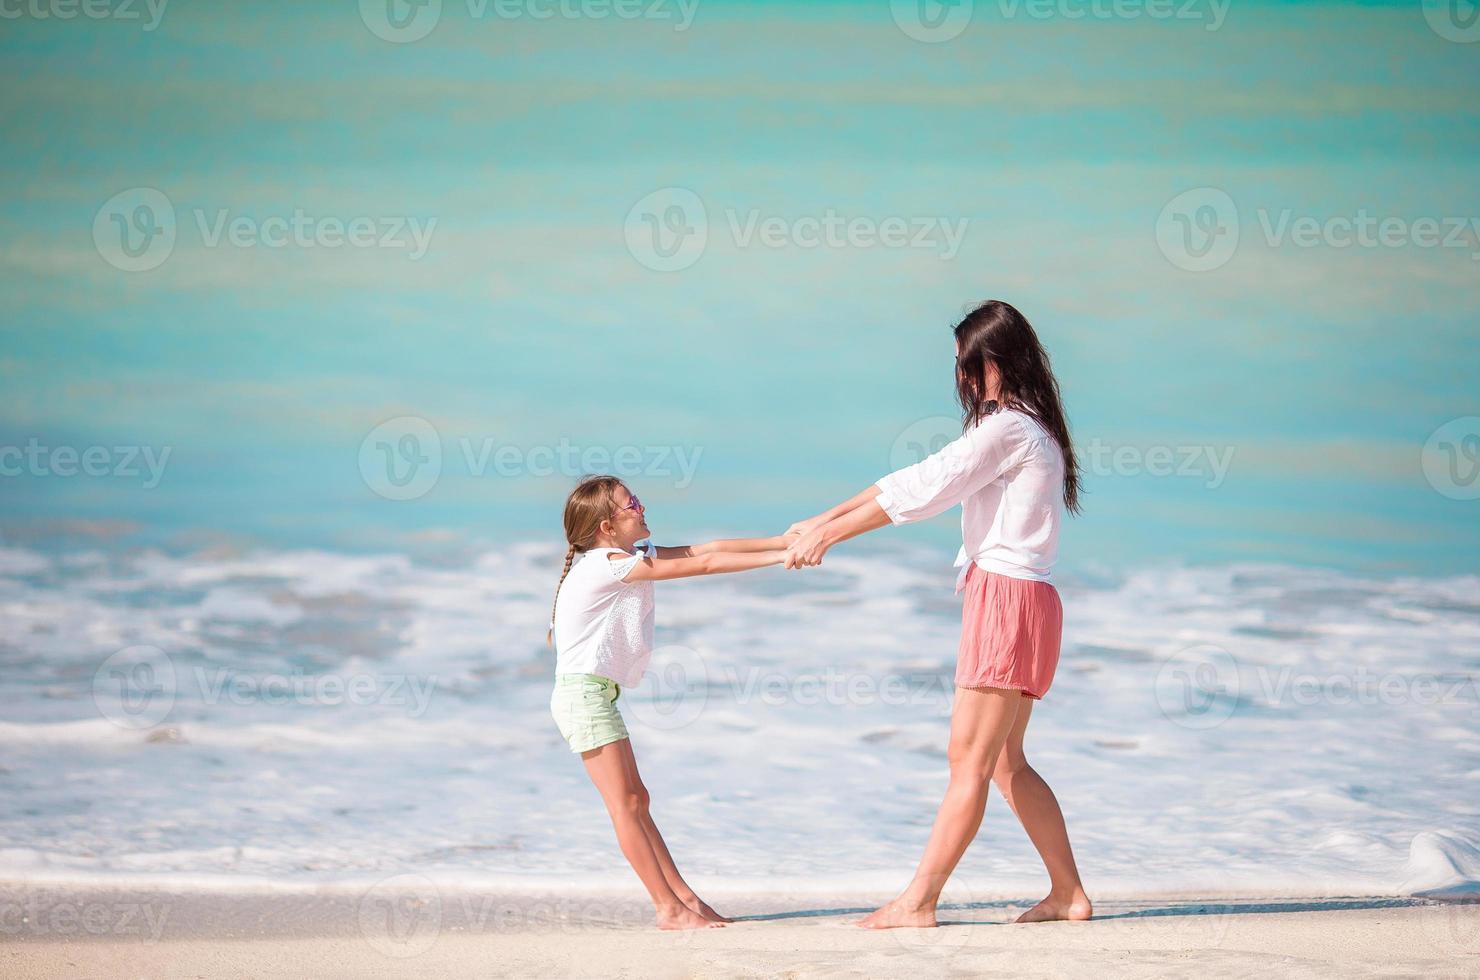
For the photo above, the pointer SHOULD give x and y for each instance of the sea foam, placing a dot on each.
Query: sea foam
(308, 716)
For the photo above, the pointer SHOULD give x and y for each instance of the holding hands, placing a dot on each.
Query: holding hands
(806, 546)
(809, 540)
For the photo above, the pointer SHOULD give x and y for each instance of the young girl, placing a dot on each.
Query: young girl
(603, 634)
(1014, 473)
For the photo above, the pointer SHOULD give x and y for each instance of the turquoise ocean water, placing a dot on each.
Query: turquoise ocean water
(1284, 397)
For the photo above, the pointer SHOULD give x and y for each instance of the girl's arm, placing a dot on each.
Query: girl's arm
(710, 563)
(728, 546)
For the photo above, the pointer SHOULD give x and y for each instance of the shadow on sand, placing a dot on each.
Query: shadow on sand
(1008, 910)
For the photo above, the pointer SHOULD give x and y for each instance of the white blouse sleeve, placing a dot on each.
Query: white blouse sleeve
(621, 567)
(940, 482)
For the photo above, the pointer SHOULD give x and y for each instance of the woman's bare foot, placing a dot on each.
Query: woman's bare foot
(702, 907)
(900, 914)
(1072, 907)
(683, 917)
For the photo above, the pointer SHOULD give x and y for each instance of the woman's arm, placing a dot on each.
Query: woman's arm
(833, 513)
(812, 545)
(916, 492)
(712, 563)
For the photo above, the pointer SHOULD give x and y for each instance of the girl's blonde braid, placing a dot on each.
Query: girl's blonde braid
(570, 556)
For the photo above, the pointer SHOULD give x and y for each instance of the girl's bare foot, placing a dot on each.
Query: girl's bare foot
(900, 914)
(683, 917)
(1074, 907)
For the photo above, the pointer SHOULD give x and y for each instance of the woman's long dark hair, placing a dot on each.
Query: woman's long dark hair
(996, 332)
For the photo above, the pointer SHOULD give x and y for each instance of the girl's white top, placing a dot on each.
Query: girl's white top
(1007, 472)
(603, 624)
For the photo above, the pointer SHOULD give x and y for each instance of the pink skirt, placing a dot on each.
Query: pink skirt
(1010, 633)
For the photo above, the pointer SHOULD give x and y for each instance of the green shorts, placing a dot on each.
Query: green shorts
(585, 709)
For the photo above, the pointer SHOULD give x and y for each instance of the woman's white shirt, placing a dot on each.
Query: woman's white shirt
(1007, 473)
(603, 624)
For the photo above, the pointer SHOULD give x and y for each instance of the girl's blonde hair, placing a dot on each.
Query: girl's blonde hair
(590, 503)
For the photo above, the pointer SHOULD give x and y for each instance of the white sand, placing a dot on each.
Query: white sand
(71, 931)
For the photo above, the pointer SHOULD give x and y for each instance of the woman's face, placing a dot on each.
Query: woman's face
(993, 377)
(994, 381)
(629, 521)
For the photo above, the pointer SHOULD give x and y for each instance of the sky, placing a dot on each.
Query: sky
(381, 276)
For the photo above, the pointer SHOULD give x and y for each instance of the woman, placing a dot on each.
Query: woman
(1014, 472)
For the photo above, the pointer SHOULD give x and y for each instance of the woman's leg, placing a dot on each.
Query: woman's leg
(980, 721)
(1038, 811)
(614, 771)
(660, 849)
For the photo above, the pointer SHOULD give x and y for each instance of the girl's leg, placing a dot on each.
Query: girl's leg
(980, 721)
(660, 849)
(626, 801)
(1038, 811)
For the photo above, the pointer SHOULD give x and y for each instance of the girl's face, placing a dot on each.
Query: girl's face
(629, 521)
